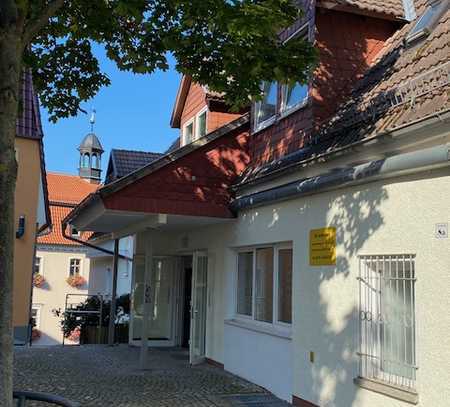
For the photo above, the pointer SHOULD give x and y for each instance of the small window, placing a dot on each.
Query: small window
(75, 267)
(74, 231)
(245, 283)
(258, 297)
(36, 316)
(265, 109)
(427, 21)
(387, 319)
(293, 96)
(201, 124)
(188, 133)
(37, 265)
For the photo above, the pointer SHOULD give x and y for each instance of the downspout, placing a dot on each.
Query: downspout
(427, 159)
(90, 245)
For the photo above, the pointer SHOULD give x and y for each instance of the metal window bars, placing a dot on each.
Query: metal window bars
(387, 338)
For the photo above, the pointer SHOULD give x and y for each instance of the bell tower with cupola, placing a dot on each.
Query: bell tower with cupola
(91, 152)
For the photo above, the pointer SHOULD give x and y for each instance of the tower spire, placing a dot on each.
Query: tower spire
(92, 119)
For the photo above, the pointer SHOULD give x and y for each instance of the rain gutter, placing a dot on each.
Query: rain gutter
(408, 163)
(90, 245)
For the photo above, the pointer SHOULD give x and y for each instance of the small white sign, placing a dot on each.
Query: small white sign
(441, 230)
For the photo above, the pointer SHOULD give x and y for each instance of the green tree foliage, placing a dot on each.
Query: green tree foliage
(229, 45)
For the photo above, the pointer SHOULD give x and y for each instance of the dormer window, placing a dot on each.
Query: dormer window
(188, 132)
(293, 97)
(195, 128)
(427, 21)
(279, 100)
(266, 108)
(201, 124)
(74, 231)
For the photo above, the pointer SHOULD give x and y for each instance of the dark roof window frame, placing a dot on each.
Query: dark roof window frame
(285, 110)
(281, 110)
(427, 21)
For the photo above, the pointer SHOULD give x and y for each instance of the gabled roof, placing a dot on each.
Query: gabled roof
(28, 125)
(180, 100)
(122, 162)
(391, 9)
(65, 192)
(406, 84)
(68, 189)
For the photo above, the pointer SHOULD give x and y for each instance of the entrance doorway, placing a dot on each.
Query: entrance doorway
(178, 311)
(187, 296)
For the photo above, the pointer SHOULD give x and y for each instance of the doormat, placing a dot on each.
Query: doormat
(256, 400)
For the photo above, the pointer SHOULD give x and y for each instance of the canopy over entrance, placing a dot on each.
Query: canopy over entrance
(187, 187)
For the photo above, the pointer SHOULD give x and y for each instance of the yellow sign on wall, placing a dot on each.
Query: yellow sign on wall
(322, 247)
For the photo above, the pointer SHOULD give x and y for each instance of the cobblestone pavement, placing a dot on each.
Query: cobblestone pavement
(98, 375)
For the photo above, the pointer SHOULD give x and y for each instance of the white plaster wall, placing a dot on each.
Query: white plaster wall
(261, 358)
(55, 268)
(390, 217)
(377, 218)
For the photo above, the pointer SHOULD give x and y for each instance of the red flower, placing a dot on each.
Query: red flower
(35, 334)
(38, 280)
(76, 281)
(74, 336)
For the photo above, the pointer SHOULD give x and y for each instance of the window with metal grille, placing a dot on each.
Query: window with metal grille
(387, 319)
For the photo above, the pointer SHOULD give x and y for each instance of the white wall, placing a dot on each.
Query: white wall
(55, 269)
(394, 217)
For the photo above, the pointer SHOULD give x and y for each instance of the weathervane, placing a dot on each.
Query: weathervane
(92, 119)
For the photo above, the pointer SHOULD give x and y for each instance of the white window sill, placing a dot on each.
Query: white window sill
(280, 116)
(279, 332)
(396, 392)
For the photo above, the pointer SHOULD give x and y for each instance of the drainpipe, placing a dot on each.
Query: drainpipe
(427, 159)
(90, 245)
(112, 309)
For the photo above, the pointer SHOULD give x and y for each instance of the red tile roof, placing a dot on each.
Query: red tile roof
(389, 8)
(56, 235)
(68, 189)
(65, 192)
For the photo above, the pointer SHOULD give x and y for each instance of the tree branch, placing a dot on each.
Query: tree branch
(34, 26)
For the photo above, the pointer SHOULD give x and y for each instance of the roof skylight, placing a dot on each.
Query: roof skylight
(427, 21)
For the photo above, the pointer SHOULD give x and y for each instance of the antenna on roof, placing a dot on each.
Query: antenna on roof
(92, 119)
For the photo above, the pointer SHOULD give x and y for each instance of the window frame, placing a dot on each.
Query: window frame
(77, 234)
(80, 266)
(197, 122)
(38, 308)
(367, 295)
(413, 36)
(270, 120)
(41, 264)
(191, 121)
(251, 319)
(280, 111)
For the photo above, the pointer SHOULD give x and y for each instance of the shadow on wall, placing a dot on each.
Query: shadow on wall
(325, 301)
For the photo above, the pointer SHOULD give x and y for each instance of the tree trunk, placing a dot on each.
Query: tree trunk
(10, 67)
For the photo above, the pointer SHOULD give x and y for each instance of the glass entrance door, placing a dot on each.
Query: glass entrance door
(161, 300)
(198, 308)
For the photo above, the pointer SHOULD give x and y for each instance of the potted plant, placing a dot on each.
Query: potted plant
(74, 336)
(38, 280)
(35, 334)
(76, 281)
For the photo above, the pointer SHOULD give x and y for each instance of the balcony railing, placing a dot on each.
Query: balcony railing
(23, 396)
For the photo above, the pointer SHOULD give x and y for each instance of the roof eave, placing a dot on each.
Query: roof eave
(175, 120)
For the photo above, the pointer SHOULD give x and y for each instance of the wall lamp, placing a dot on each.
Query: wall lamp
(21, 227)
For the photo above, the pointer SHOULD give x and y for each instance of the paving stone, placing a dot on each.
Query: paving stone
(97, 375)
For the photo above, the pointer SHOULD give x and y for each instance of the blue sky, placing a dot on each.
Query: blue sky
(132, 113)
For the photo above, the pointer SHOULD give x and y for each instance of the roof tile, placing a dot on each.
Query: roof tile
(68, 189)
